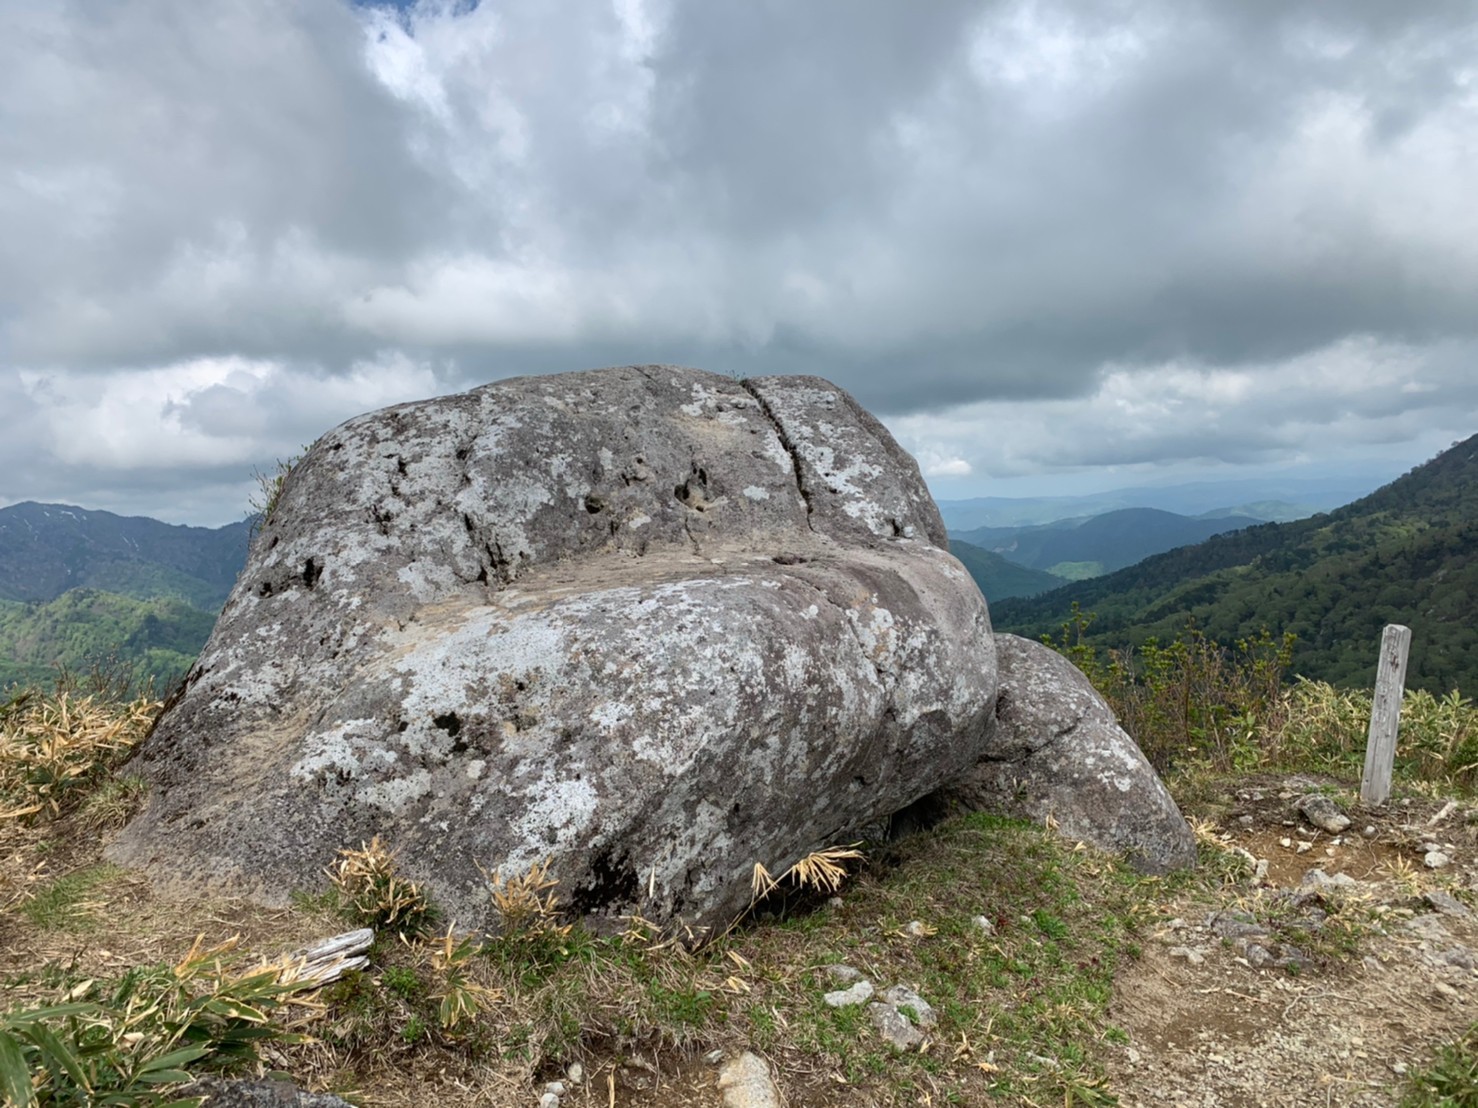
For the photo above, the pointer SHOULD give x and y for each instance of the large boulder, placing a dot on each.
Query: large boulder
(652, 624)
(1059, 756)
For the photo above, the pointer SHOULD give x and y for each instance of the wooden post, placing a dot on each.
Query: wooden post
(1385, 715)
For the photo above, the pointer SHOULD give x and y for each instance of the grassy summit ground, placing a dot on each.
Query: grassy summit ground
(1057, 976)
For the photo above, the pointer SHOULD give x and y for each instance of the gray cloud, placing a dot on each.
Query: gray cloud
(251, 220)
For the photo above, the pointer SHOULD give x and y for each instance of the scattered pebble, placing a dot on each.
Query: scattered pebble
(1189, 953)
(844, 974)
(1285, 842)
(894, 1027)
(746, 1083)
(1435, 859)
(918, 929)
(859, 993)
(549, 1100)
(983, 924)
(1369, 831)
(1304, 847)
(575, 1073)
(1446, 903)
(1323, 813)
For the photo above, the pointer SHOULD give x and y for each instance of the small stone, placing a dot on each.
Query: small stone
(1189, 953)
(549, 1100)
(746, 1083)
(844, 974)
(1246, 821)
(1304, 847)
(575, 1073)
(1435, 859)
(918, 929)
(894, 1027)
(1323, 813)
(1285, 842)
(556, 1088)
(833, 902)
(859, 993)
(1258, 956)
(714, 1057)
(1372, 963)
(1459, 956)
(1444, 902)
(983, 924)
(1260, 871)
(901, 996)
(1368, 831)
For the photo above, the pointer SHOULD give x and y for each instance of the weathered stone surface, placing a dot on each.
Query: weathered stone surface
(1059, 752)
(652, 623)
(220, 1092)
(746, 1083)
(1323, 813)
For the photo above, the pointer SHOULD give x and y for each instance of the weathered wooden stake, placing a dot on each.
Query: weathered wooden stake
(1385, 715)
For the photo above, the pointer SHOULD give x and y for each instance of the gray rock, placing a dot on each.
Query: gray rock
(649, 623)
(1318, 879)
(1323, 813)
(1189, 953)
(746, 1083)
(1258, 956)
(1444, 902)
(1234, 924)
(859, 993)
(1058, 751)
(1436, 859)
(844, 974)
(895, 1028)
(549, 1100)
(911, 1003)
(221, 1092)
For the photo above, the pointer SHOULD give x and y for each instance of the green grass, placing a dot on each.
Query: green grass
(1451, 1081)
(64, 905)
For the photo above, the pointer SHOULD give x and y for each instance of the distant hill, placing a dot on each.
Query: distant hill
(80, 587)
(46, 549)
(1407, 553)
(1261, 498)
(999, 578)
(1100, 544)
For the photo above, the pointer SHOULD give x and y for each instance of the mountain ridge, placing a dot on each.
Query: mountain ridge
(1405, 553)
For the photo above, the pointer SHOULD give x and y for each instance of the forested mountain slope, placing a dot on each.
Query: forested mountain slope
(80, 588)
(1407, 553)
(999, 578)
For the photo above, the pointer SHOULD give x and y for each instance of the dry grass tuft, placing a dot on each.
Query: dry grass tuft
(525, 903)
(375, 892)
(55, 745)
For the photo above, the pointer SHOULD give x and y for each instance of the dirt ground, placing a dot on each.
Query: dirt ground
(1218, 1033)
(1279, 990)
(1392, 979)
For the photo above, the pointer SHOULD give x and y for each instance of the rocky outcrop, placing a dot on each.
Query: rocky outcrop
(650, 623)
(1059, 753)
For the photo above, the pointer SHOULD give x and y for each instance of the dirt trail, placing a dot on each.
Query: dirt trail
(1207, 1029)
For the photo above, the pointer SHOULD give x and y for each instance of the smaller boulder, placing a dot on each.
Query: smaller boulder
(1059, 753)
(1323, 813)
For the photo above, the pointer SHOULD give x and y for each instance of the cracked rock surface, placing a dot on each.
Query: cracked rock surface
(651, 623)
(1059, 753)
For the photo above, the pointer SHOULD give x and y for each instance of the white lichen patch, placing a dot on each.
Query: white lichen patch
(757, 492)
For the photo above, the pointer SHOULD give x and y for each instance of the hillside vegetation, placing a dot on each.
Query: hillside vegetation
(81, 589)
(1407, 553)
(999, 578)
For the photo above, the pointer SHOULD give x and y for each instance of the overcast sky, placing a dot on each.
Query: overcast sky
(1055, 245)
